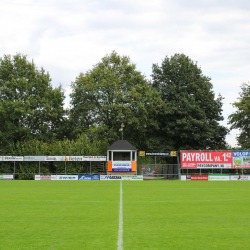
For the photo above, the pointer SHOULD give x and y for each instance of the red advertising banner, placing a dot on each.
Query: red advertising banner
(206, 159)
(197, 177)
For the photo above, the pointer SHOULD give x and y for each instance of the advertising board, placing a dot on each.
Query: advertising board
(214, 177)
(240, 177)
(132, 177)
(197, 177)
(206, 159)
(74, 158)
(241, 159)
(94, 158)
(42, 177)
(67, 177)
(13, 158)
(6, 177)
(34, 158)
(234, 177)
(1, 158)
(89, 177)
(54, 158)
(149, 153)
(53, 177)
(244, 177)
(110, 177)
(121, 166)
(183, 177)
(158, 153)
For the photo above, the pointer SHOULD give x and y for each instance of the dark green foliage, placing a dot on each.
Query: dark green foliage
(240, 119)
(190, 115)
(110, 94)
(29, 106)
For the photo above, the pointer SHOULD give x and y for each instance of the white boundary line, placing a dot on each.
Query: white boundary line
(120, 231)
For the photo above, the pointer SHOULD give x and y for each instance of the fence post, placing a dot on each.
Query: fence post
(179, 171)
(179, 166)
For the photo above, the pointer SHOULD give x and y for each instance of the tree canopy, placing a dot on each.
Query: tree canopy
(190, 116)
(29, 106)
(177, 109)
(111, 94)
(241, 117)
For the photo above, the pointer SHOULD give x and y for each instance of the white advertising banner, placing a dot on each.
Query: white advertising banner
(234, 177)
(121, 166)
(183, 177)
(1, 158)
(34, 158)
(240, 177)
(244, 177)
(94, 158)
(54, 158)
(218, 177)
(132, 177)
(42, 177)
(74, 158)
(67, 177)
(7, 177)
(13, 158)
(53, 177)
(110, 177)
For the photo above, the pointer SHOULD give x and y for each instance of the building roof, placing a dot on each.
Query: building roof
(122, 145)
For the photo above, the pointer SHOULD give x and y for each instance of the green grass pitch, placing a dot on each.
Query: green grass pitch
(156, 214)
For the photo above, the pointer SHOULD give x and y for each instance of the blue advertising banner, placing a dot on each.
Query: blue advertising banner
(241, 159)
(89, 177)
(67, 177)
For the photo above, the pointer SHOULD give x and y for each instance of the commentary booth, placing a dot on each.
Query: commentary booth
(121, 158)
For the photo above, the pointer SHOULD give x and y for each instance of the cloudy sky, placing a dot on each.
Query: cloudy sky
(67, 37)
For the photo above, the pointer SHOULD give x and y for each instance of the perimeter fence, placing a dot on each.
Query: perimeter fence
(27, 170)
(159, 171)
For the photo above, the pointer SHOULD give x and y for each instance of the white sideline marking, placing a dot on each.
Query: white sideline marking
(198, 200)
(120, 232)
(52, 200)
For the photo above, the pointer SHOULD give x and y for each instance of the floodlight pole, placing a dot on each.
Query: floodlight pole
(121, 129)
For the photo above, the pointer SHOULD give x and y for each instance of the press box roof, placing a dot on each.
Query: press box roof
(121, 145)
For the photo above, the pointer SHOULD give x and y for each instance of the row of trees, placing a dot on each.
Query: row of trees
(176, 109)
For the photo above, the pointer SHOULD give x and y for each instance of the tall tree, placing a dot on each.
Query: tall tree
(29, 106)
(240, 119)
(191, 114)
(110, 94)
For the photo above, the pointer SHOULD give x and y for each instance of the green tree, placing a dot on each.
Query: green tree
(240, 118)
(29, 106)
(110, 94)
(190, 116)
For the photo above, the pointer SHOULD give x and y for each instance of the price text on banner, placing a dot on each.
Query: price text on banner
(206, 159)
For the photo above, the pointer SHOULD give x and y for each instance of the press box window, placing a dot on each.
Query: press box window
(133, 156)
(121, 156)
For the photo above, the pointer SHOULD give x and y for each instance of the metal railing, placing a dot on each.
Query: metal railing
(159, 171)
